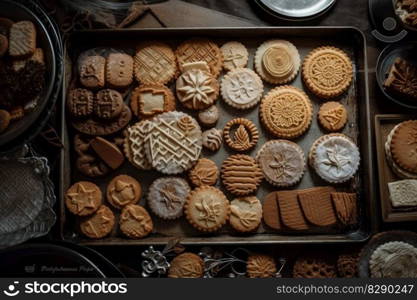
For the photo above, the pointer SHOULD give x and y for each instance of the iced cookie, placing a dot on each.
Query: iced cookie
(134, 144)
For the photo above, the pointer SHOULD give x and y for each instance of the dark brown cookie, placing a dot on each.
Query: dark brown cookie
(80, 102)
(88, 162)
(22, 40)
(108, 104)
(91, 69)
(402, 79)
(347, 265)
(98, 225)
(108, 152)
(314, 267)
(4, 120)
(4, 45)
(317, 206)
(119, 70)
(270, 209)
(291, 214)
(83, 198)
(346, 207)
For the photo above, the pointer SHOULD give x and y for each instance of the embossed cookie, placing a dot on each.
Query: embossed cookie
(22, 40)
(154, 62)
(209, 116)
(99, 224)
(245, 213)
(277, 61)
(240, 134)
(261, 266)
(87, 161)
(186, 265)
(197, 89)
(109, 104)
(282, 162)
(123, 190)
(207, 208)
(108, 152)
(167, 196)
(346, 207)
(332, 116)
(334, 157)
(289, 207)
(270, 209)
(92, 71)
(83, 198)
(119, 70)
(151, 99)
(313, 267)
(327, 71)
(200, 50)
(174, 142)
(134, 144)
(135, 222)
(4, 120)
(241, 174)
(235, 55)
(212, 139)
(80, 102)
(286, 112)
(205, 172)
(317, 207)
(403, 193)
(242, 88)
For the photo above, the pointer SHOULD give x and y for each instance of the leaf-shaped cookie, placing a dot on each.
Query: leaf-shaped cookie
(242, 137)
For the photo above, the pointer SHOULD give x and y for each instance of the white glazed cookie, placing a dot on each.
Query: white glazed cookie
(242, 88)
(403, 192)
(334, 157)
(394, 260)
(174, 143)
(235, 55)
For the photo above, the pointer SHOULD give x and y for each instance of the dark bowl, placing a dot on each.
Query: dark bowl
(19, 12)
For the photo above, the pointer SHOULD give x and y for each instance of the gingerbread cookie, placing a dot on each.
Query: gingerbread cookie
(205, 172)
(167, 196)
(235, 55)
(332, 116)
(83, 198)
(186, 265)
(313, 267)
(22, 40)
(401, 79)
(99, 224)
(123, 190)
(327, 71)
(119, 70)
(80, 102)
(289, 207)
(261, 266)
(212, 139)
(108, 152)
(270, 209)
(286, 112)
(88, 162)
(207, 209)
(135, 221)
(92, 71)
(346, 207)
(151, 99)
(246, 213)
(240, 134)
(241, 174)
(209, 116)
(108, 104)
(134, 144)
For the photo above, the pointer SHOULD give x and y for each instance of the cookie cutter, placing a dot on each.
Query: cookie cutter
(154, 262)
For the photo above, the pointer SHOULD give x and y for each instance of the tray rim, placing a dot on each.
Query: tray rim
(366, 144)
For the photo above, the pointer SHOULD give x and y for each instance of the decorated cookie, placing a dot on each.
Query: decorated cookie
(186, 265)
(277, 61)
(240, 134)
(123, 190)
(209, 116)
(205, 172)
(207, 209)
(261, 266)
(167, 196)
(241, 174)
(327, 71)
(313, 267)
(154, 62)
(92, 71)
(200, 50)
(289, 208)
(99, 224)
(286, 112)
(334, 157)
(235, 55)
(134, 144)
(135, 221)
(80, 102)
(401, 79)
(282, 162)
(246, 213)
(212, 139)
(87, 160)
(22, 39)
(174, 143)
(403, 193)
(148, 100)
(242, 88)
(83, 198)
(346, 207)
(109, 104)
(108, 152)
(119, 70)
(332, 116)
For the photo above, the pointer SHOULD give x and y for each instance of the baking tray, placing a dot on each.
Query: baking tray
(383, 126)
(305, 38)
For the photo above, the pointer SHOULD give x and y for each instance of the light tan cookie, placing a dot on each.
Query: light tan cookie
(240, 134)
(246, 213)
(123, 190)
(212, 139)
(119, 70)
(209, 116)
(235, 55)
(332, 116)
(261, 266)
(149, 100)
(135, 222)
(99, 224)
(186, 265)
(205, 172)
(22, 40)
(83, 198)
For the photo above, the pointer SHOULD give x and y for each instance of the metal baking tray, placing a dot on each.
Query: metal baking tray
(356, 99)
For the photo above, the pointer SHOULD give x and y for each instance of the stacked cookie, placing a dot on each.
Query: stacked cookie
(22, 70)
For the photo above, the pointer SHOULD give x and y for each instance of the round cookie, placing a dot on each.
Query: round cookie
(207, 209)
(240, 134)
(334, 157)
(286, 112)
(123, 190)
(277, 61)
(235, 55)
(4, 120)
(242, 88)
(174, 142)
(327, 71)
(109, 104)
(186, 265)
(154, 62)
(209, 116)
(148, 100)
(313, 267)
(200, 50)
(403, 148)
(261, 266)
(332, 116)
(83, 198)
(282, 162)
(241, 174)
(246, 214)
(347, 265)
(197, 89)
(135, 222)
(167, 196)
(394, 260)
(205, 172)
(212, 139)
(80, 102)
(99, 224)
(134, 144)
